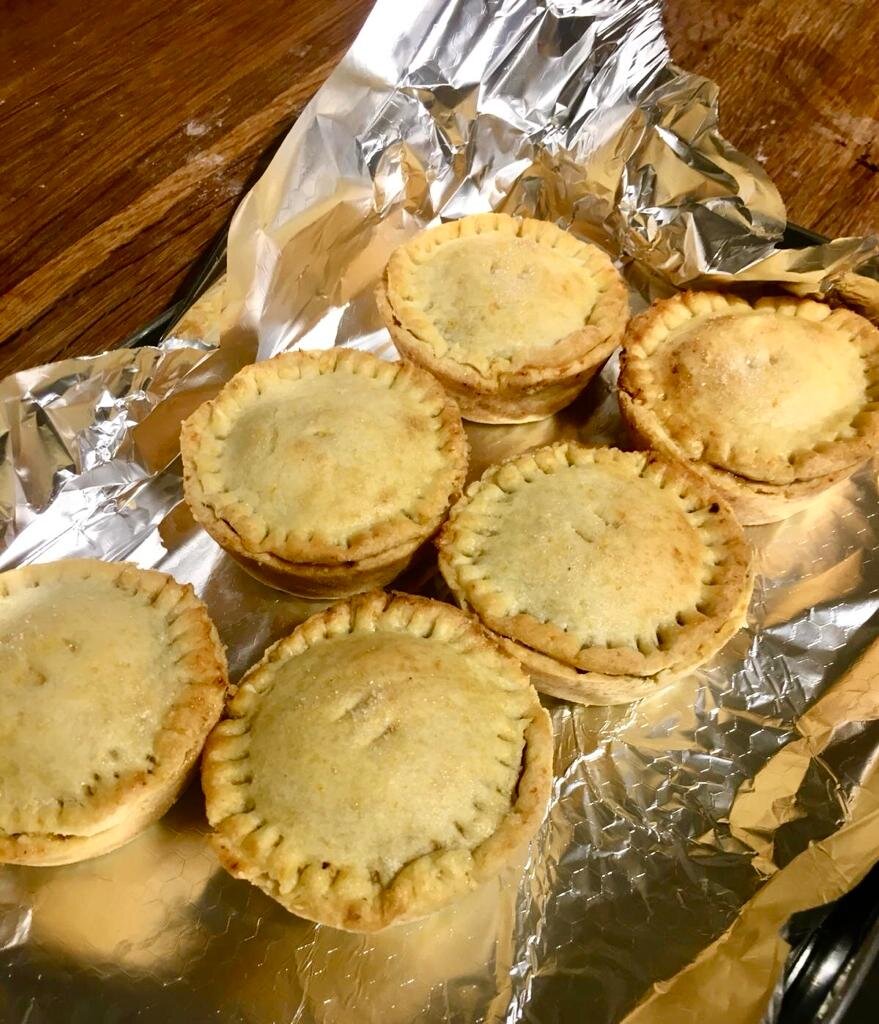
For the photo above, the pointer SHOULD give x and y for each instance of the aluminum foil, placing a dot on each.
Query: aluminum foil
(659, 830)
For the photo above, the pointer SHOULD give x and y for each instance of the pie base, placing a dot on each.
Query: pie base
(530, 382)
(49, 850)
(596, 689)
(511, 401)
(752, 503)
(318, 582)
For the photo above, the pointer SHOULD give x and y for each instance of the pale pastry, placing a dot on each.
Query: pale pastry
(513, 316)
(111, 678)
(379, 762)
(608, 573)
(772, 402)
(324, 472)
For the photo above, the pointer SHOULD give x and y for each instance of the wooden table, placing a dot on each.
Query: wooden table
(130, 130)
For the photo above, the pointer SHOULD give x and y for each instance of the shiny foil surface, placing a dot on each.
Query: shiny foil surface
(659, 830)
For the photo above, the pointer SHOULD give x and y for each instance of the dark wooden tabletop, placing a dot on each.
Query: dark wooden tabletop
(129, 130)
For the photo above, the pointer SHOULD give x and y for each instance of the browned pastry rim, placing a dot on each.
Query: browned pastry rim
(328, 557)
(593, 620)
(771, 401)
(532, 382)
(119, 797)
(259, 801)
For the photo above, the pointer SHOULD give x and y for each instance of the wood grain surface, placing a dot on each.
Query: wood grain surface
(799, 90)
(130, 130)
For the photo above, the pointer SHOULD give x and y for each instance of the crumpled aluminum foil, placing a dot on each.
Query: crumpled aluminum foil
(568, 111)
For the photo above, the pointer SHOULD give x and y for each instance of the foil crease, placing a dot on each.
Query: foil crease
(660, 829)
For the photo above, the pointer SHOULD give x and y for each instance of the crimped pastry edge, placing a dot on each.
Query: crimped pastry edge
(542, 380)
(761, 497)
(119, 811)
(431, 880)
(550, 640)
(311, 568)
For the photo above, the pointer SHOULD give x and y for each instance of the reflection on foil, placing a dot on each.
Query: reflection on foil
(659, 827)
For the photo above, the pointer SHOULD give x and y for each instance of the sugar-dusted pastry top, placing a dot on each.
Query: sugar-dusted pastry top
(491, 290)
(778, 391)
(324, 456)
(376, 758)
(108, 677)
(606, 560)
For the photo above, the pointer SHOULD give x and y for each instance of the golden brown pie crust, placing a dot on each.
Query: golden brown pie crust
(772, 402)
(113, 677)
(323, 472)
(379, 762)
(513, 316)
(557, 679)
(608, 563)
